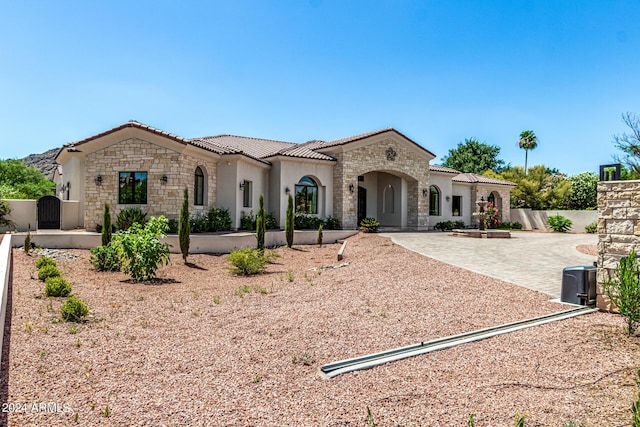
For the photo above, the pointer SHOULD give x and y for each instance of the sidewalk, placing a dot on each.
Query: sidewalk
(529, 259)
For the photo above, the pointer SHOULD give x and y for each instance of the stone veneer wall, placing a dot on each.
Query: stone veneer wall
(618, 228)
(352, 163)
(135, 155)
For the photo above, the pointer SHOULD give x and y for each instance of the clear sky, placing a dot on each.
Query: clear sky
(295, 70)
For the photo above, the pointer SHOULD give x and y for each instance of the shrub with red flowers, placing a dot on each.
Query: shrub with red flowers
(492, 218)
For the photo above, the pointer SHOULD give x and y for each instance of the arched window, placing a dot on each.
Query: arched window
(434, 201)
(388, 199)
(306, 196)
(491, 198)
(198, 190)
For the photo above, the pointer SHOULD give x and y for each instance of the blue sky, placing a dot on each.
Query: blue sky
(438, 71)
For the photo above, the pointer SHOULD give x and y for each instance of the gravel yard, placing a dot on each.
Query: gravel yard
(202, 347)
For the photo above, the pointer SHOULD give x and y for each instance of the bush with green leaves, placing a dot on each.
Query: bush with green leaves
(261, 225)
(184, 228)
(247, 261)
(591, 228)
(5, 210)
(332, 223)
(74, 309)
(559, 223)
(141, 250)
(320, 235)
(289, 224)
(129, 216)
(307, 222)
(57, 287)
(449, 225)
(107, 228)
(369, 225)
(219, 219)
(105, 258)
(45, 260)
(506, 225)
(48, 271)
(624, 290)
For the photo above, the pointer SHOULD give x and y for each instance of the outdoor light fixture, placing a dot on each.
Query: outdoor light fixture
(242, 185)
(98, 179)
(164, 179)
(286, 190)
(448, 198)
(424, 192)
(351, 188)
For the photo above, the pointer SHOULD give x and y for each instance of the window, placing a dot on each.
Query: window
(246, 193)
(456, 206)
(132, 188)
(306, 196)
(434, 201)
(198, 190)
(388, 199)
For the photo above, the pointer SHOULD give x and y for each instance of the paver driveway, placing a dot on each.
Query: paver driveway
(530, 259)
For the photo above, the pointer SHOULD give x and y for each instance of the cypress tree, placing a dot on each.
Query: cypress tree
(289, 221)
(184, 228)
(106, 226)
(261, 224)
(319, 241)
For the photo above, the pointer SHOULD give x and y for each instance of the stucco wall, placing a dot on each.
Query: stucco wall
(23, 213)
(618, 228)
(138, 155)
(537, 220)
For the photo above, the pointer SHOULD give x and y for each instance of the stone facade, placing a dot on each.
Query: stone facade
(385, 156)
(618, 229)
(137, 155)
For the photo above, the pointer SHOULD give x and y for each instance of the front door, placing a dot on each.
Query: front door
(362, 204)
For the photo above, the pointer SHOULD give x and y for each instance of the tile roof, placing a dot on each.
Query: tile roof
(436, 168)
(129, 124)
(481, 179)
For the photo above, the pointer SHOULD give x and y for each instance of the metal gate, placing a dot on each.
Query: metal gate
(49, 213)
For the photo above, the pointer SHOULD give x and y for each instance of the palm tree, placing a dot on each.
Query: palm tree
(528, 141)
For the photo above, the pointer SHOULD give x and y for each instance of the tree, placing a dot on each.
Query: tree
(629, 144)
(106, 226)
(289, 222)
(474, 156)
(184, 227)
(584, 191)
(528, 141)
(23, 182)
(261, 224)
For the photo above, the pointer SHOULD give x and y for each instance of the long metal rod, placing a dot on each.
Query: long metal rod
(331, 370)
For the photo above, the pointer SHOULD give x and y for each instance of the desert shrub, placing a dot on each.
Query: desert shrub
(48, 271)
(105, 258)
(506, 225)
(219, 219)
(624, 290)
(307, 222)
(331, 223)
(45, 260)
(27, 241)
(74, 309)
(247, 261)
(459, 224)
(57, 287)
(141, 250)
(319, 239)
(369, 225)
(247, 221)
(198, 223)
(444, 226)
(127, 217)
(591, 228)
(271, 222)
(559, 224)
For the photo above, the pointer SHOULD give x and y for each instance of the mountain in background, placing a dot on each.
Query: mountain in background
(45, 162)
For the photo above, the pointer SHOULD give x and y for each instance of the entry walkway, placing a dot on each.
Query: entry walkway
(529, 259)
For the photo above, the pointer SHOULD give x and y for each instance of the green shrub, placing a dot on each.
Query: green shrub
(247, 221)
(5, 210)
(261, 225)
(319, 239)
(559, 224)
(198, 223)
(506, 225)
(369, 225)
(219, 219)
(331, 223)
(141, 250)
(57, 287)
(127, 217)
(48, 271)
(444, 226)
(105, 258)
(172, 226)
(591, 228)
(271, 222)
(74, 309)
(27, 241)
(624, 290)
(106, 229)
(184, 229)
(307, 222)
(45, 260)
(247, 261)
(289, 224)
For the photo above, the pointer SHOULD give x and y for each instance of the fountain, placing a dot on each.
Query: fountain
(481, 215)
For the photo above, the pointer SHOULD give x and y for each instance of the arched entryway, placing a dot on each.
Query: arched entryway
(49, 213)
(494, 197)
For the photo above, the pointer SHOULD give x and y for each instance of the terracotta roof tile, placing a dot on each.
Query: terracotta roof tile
(436, 168)
(129, 124)
(481, 179)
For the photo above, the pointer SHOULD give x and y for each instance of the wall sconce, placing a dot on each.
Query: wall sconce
(242, 186)
(286, 190)
(351, 188)
(448, 198)
(164, 179)
(98, 179)
(424, 192)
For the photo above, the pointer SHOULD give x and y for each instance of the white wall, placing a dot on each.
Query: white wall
(467, 212)
(259, 177)
(23, 213)
(537, 220)
(228, 189)
(69, 218)
(444, 184)
(389, 219)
